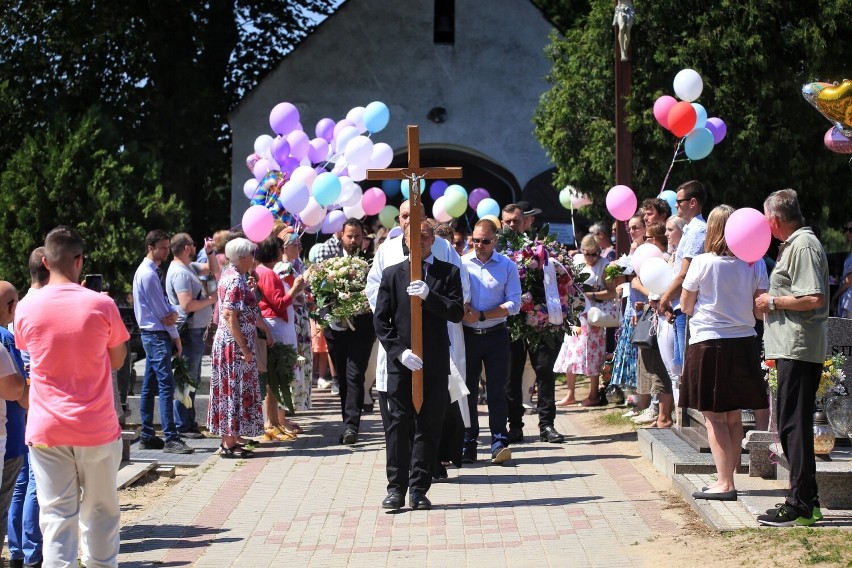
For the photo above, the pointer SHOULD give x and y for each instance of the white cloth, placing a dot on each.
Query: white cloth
(725, 303)
(391, 253)
(62, 474)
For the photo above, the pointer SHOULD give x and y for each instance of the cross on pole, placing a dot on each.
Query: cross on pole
(414, 173)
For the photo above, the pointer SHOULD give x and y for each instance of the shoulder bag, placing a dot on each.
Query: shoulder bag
(644, 333)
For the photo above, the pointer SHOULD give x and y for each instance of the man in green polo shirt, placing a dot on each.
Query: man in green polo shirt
(796, 309)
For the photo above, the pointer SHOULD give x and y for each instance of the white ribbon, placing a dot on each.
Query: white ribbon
(551, 293)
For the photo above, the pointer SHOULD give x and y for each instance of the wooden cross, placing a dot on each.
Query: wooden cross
(414, 173)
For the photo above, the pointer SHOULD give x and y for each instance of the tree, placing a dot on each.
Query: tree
(753, 57)
(165, 72)
(76, 173)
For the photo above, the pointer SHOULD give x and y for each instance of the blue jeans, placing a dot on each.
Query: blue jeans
(158, 380)
(679, 337)
(192, 352)
(24, 533)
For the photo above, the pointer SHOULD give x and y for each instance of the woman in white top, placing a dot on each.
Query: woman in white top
(584, 353)
(721, 372)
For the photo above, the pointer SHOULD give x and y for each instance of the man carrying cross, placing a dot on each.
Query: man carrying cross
(413, 434)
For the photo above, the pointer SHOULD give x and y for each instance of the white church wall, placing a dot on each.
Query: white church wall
(489, 80)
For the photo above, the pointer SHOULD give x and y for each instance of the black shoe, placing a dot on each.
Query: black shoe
(177, 446)
(191, 434)
(16, 563)
(36, 565)
(785, 516)
(469, 456)
(418, 500)
(516, 435)
(440, 472)
(549, 434)
(153, 443)
(394, 500)
(349, 437)
(367, 408)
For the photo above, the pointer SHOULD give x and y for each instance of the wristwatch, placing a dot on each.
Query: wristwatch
(481, 315)
(771, 303)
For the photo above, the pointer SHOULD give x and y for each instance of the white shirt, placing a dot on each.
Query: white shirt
(725, 286)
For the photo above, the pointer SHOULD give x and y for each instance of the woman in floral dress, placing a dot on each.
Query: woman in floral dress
(235, 408)
(584, 354)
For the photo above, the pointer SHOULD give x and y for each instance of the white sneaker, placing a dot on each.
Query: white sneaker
(323, 384)
(631, 414)
(646, 417)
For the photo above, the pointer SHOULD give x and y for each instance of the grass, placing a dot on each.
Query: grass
(808, 546)
(615, 419)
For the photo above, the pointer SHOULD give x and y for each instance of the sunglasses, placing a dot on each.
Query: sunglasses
(589, 253)
(849, 229)
(679, 201)
(482, 241)
(84, 257)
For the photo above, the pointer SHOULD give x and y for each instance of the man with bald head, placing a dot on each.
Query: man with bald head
(75, 337)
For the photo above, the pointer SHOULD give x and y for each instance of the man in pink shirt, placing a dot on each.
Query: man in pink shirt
(75, 337)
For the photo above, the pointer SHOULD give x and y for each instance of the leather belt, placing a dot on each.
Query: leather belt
(485, 330)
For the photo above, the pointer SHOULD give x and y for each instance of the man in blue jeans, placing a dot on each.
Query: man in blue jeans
(188, 293)
(156, 319)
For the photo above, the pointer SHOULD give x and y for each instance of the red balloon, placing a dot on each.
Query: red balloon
(682, 119)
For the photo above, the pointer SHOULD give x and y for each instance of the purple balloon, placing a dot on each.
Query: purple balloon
(717, 127)
(288, 165)
(325, 129)
(333, 222)
(280, 150)
(318, 150)
(437, 189)
(284, 118)
(476, 196)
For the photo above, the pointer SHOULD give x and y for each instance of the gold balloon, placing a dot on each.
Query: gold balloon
(834, 102)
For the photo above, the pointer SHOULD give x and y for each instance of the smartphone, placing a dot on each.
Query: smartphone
(94, 282)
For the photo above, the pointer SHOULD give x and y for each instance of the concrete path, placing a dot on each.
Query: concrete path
(314, 502)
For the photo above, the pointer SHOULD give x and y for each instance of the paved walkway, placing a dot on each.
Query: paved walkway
(314, 502)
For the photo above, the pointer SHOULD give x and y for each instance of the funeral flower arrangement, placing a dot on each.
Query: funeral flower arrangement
(337, 286)
(551, 297)
(185, 384)
(830, 381)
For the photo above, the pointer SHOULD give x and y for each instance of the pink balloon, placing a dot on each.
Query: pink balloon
(662, 106)
(643, 253)
(621, 202)
(257, 223)
(477, 195)
(836, 142)
(747, 234)
(261, 168)
(373, 200)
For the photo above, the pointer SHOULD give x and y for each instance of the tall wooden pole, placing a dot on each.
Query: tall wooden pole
(623, 140)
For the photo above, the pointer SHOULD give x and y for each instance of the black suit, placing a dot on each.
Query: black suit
(392, 320)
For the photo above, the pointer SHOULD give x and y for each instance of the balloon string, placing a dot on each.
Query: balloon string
(674, 159)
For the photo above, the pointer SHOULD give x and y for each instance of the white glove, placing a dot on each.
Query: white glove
(418, 288)
(410, 360)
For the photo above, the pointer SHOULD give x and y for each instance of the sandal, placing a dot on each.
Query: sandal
(237, 451)
(291, 427)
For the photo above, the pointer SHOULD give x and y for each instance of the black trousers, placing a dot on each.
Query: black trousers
(350, 352)
(412, 438)
(542, 359)
(492, 351)
(797, 386)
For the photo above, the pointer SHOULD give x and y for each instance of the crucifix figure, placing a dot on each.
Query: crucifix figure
(414, 174)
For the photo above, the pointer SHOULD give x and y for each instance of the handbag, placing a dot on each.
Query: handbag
(605, 313)
(210, 333)
(644, 333)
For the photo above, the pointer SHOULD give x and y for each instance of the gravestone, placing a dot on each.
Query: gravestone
(840, 341)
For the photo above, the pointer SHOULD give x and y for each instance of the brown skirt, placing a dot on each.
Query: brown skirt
(721, 375)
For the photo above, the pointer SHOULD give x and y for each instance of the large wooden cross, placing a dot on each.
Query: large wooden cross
(414, 173)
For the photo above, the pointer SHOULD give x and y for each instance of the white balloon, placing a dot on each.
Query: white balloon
(358, 151)
(343, 137)
(439, 212)
(249, 187)
(381, 157)
(356, 115)
(354, 197)
(347, 187)
(313, 213)
(313, 231)
(355, 211)
(262, 144)
(357, 172)
(305, 175)
(655, 275)
(688, 85)
(641, 255)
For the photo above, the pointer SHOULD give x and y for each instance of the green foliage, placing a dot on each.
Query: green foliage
(76, 173)
(753, 57)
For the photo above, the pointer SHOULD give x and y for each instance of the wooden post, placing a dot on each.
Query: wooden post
(414, 173)
(623, 140)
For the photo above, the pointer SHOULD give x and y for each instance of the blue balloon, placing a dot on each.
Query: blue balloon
(700, 116)
(437, 189)
(403, 186)
(326, 188)
(376, 116)
(670, 197)
(698, 144)
(390, 187)
(488, 206)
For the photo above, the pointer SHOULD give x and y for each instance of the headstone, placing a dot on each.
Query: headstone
(840, 341)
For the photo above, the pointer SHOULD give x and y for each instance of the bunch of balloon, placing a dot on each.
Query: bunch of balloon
(834, 102)
(312, 182)
(687, 119)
